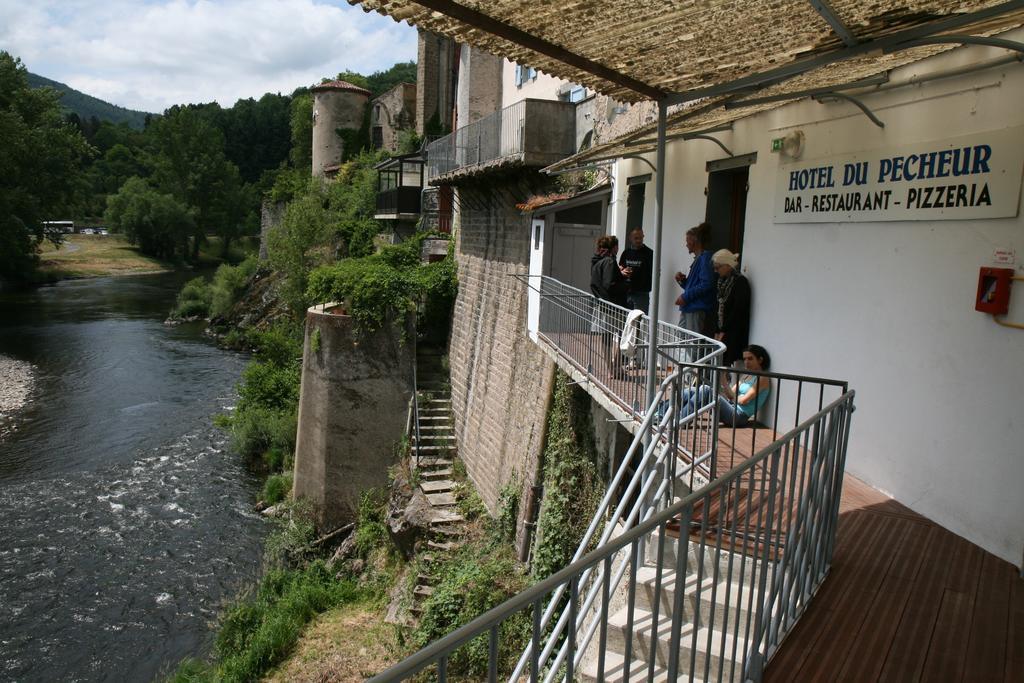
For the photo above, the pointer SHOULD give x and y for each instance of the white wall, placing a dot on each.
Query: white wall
(544, 87)
(888, 306)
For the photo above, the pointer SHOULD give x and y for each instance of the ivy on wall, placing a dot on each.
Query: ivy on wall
(573, 484)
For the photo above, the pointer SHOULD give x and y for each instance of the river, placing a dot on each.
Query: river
(125, 520)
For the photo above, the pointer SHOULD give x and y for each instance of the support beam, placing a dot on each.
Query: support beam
(706, 131)
(962, 40)
(853, 100)
(712, 139)
(659, 215)
(811, 92)
(824, 8)
(894, 42)
(481, 21)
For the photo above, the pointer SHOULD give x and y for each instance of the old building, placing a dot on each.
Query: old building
(391, 113)
(338, 106)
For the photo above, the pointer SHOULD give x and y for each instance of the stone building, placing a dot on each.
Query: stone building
(436, 62)
(391, 113)
(337, 106)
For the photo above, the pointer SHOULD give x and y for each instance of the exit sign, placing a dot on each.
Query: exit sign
(777, 144)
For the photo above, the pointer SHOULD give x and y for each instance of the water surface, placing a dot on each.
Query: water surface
(125, 521)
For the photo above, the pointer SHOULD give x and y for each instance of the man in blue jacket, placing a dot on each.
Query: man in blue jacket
(697, 299)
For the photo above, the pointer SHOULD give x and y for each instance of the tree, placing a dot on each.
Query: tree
(157, 222)
(189, 163)
(40, 165)
(301, 121)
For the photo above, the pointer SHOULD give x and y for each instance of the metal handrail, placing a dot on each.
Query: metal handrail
(838, 433)
(414, 426)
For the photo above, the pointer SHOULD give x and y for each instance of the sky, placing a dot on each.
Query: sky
(148, 55)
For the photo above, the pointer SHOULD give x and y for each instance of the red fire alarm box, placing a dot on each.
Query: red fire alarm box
(994, 290)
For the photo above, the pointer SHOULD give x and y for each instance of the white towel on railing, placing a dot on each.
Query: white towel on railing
(627, 340)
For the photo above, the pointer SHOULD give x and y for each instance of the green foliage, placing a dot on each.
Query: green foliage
(379, 82)
(300, 122)
(193, 300)
(508, 511)
(314, 341)
(276, 488)
(275, 459)
(260, 631)
(470, 581)
(228, 284)
(573, 484)
(256, 429)
(371, 525)
(40, 168)
(290, 543)
(87, 106)
(388, 283)
(159, 223)
(408, 141)
(299, 243)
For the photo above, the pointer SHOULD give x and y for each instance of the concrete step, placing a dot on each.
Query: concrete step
(707, 648)
(441, 499)
(448, 532)
(442, 473)
(437, 486)
(615, 671)
(445, 517)
(446, 546)
(425, 436)
(434, 449)
(427, 461)
(423, 591)
(425, 580)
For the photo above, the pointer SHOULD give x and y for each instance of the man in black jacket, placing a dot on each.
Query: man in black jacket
(638, 262)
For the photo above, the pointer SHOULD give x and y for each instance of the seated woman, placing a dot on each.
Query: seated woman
(737, 404)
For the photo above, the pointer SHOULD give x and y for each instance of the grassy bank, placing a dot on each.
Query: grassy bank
(94, 256)
(108, 255)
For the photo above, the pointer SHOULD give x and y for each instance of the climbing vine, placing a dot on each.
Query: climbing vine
(573, 484)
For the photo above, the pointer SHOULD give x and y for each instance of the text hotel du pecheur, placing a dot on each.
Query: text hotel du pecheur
(974, 176)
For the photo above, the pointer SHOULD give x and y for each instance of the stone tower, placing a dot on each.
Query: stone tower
(337, 105)
(435, 81)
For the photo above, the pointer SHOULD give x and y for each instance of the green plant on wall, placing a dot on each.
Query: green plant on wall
(573, 485)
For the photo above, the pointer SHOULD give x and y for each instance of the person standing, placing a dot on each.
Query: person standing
(607, 280)
(697, 299)
(637, 262)
(732, 317)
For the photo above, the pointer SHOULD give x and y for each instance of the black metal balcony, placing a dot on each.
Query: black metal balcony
(399, 185)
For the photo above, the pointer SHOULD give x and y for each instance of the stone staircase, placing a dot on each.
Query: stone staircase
(712, 606)
(434, 464)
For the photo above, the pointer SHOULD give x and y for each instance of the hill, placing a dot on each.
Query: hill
(87, 106)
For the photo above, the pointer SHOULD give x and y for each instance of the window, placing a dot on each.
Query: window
(577, 94)
(531, 73)
(520, 73)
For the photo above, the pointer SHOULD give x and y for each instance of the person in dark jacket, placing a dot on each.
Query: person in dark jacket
(607, 280)
(637, 262)
(732, 315)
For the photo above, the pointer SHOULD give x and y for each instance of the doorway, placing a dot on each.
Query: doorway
(728, 180)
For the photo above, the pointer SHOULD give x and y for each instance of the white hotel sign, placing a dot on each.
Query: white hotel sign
(975, 176)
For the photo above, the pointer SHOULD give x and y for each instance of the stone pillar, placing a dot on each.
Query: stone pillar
(353, 409)
(271, 215)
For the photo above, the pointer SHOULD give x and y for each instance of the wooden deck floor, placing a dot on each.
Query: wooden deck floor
(906, 600)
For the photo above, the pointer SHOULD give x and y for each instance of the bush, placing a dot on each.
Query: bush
(194, 300)
(256, 429)
(471, 581)
(392, 281)
(276, 488)
(266, 385)
(371, 525)
(228, 284)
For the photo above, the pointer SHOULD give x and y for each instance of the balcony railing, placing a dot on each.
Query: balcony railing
(716, 577)
(527, 133)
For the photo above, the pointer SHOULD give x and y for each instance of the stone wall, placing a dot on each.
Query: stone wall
(271, 215)
(479, 92)
(435, 91)
(353, 409)
(334, 109)
(501, 381)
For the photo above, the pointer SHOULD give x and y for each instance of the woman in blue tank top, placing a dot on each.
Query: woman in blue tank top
(737, 404)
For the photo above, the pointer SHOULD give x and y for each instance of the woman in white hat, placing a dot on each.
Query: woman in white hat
(731, 318)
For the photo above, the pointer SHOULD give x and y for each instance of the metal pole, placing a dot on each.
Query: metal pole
(659, 210)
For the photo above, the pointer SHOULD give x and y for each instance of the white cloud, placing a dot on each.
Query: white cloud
(151, 55)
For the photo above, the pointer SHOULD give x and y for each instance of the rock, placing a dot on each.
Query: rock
(345, 551)
(274, 510)
(408, 520)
